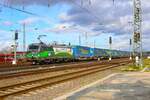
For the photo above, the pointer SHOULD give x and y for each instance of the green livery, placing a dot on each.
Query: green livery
(40, 52)
(62, 51)
(63, 55)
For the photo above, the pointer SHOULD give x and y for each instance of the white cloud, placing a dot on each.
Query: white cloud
(99, 17)
(29, 20)
(64, 16)
(33, 20)
(5, 45)
(5, 39)
(7, 23)
(114, 19)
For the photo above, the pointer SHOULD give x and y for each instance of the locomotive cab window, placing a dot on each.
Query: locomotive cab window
(33, 48)
(45, 48)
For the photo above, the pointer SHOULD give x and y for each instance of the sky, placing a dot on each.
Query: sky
(65, 20)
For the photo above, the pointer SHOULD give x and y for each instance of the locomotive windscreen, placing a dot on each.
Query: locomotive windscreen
(33, 48)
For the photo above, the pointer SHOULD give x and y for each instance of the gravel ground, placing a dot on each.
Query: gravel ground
(22, 79)
(51, 92)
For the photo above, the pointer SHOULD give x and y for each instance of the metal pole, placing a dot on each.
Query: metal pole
(137, 35)
(94, 43)
(15, 58)
(130, 49)
(86, 39)
(15, 47)
(24, 40)
(79, 40)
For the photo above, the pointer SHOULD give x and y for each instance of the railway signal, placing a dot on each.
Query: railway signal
(110, 47)
(16, 35)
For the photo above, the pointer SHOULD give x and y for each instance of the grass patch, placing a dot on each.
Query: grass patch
(147, 62)
(133, 68)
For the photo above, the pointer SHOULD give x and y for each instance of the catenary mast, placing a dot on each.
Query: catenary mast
(137, 34)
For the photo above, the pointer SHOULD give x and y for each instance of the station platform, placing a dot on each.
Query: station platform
(119, 86)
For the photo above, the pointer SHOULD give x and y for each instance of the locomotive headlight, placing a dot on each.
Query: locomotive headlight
(49, 54)
(33, 54)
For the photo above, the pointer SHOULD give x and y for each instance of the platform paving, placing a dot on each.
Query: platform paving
(120, 86)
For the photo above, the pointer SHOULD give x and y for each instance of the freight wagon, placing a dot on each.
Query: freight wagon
(8, 58)
(100, 53)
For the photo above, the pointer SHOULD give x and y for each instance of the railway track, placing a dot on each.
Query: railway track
(20, 67)
(48, 81)
(14, 72)
(14, 68)
(24, 67)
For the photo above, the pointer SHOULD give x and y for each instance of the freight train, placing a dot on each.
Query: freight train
(40, 53)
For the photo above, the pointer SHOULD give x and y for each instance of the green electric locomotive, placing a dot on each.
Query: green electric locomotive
(39, 53)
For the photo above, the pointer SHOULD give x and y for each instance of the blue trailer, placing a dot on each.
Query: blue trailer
(81, 52)
(96, 52)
